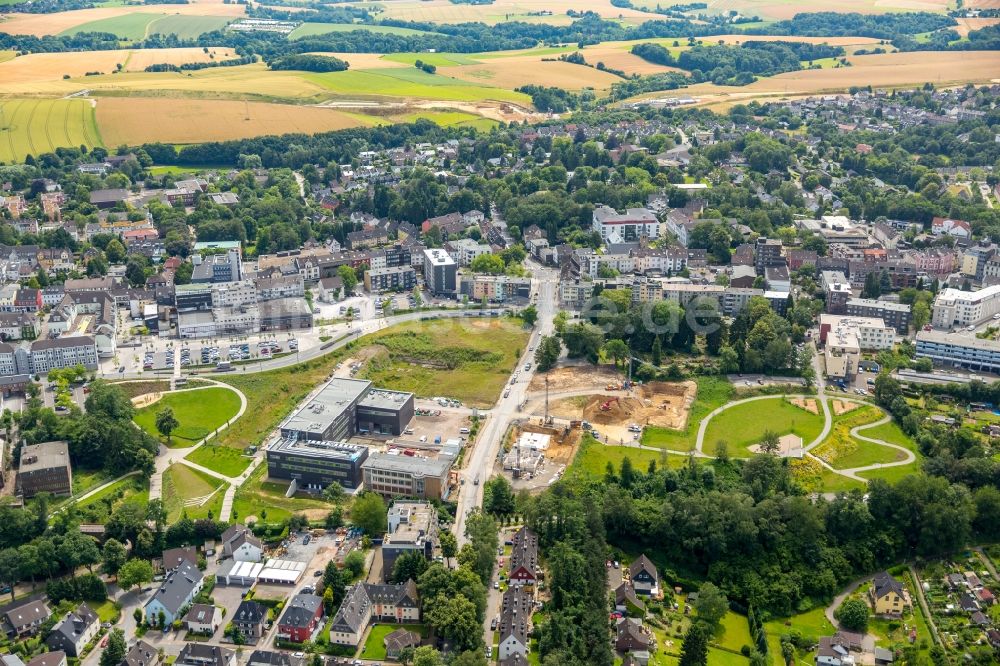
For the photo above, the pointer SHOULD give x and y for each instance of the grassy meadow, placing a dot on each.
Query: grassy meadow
(199, 413)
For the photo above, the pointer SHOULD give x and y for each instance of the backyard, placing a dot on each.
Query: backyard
(199, 412)
(374, 648)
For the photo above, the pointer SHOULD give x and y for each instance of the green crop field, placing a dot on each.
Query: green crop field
(744, 425)
(199, 412)
(310, 29)
(140, 25)
(36, 126)
(411, 83)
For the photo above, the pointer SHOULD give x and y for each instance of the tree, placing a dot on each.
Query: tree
(166, 423)
(711, 606)
(449, 545)
(498, 496)
(10, 565)
(369, 513)
(354, 563)
(529, 316)
(853, 615)
(408, 566)
(115, 251)
(114, 653)
(487, 263)
(426, 655)
(134, 573)
(769, 442)
(616, 350)
(333, 580)
(455, 619)
(333, 493)
(694, 649)
(547, 353)
(349, 278)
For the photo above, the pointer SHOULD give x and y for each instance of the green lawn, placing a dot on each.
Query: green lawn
(181, 483)
(258, 493)
(311, 29)
(374, 648)
(713, 392)
(744, 425)
(85, 479)
(222, 459)
(811, 624)
(98, 507)
(843, 451)
(106, 611)
(199, 412)
(466, 360)
(734, 632)
(592, 458)
(717, 657)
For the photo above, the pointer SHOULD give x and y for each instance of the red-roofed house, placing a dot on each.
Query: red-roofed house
(957, 228)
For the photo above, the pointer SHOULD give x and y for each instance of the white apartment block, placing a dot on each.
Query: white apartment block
(234, 294)
(845, 337)
(627, 227)
(954, 307)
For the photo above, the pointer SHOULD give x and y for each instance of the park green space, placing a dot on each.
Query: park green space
(258, 495)
(311, 29)
(843, 451)
(222, 459)
(743, 425)
(713, 392)
(414, 82)
(181, 483)
(374, 648)
(592, 458)
(199, 412)
(139, 25)
(36, 126)
(98, 507)
(470, 361)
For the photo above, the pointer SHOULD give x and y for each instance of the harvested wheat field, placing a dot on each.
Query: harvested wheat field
(510, 73)
(967, 25)
(807, 404)
(364, 60)
(843, 406)
(541, 11)
(133, 121)
(40, 25)
(140, 59)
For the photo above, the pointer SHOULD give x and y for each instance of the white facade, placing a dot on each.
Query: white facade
(627, 227)
(954, 307)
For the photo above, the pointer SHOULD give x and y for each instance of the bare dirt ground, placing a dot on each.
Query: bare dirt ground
(575, 378)
(563, 446)
(146, 399)
(842, 407)
(807, 404)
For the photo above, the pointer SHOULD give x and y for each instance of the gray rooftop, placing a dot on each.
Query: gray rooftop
(177, 587)
(384, 399)
(326, 406)
(435, 467)
(46, 455)
(319, 449)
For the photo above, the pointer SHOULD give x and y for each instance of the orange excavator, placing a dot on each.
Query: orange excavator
(605, 406)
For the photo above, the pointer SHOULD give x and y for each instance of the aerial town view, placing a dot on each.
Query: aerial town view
(517, 332)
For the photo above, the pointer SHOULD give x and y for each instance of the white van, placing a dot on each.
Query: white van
(463, 431)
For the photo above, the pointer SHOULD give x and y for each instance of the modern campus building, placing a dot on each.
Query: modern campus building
(440, 273)
(406, 476)
(314, 465)
(345, 407)
(959, 351)
(954, 307)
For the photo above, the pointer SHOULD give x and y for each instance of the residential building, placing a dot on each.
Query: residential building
(896, 315)
(214, 268)
(407, 476)
(26, 619)
(627, 227)
(440, 273)
(956, 308)
(837, 288)
(777, 278)
(631, 636)
(398, 278)
(270, 658)
(887, 595)
(524, 558)
(397, 641)
(285, 286)
(178, 589)
(767, 252)
(174, 557)
(627, 602)
(365, 603)
(203, 654)
(413, 528)
(239, 543)
(63, 352)
(45, 468)
(74, 631)
(464, 250)
(315, 464)
(515, 618)
(947, 226)
(141, 654)
(302, 617)
(959, 351)
(56, 658)
(845, 337)
(203, 619)
(495, 288)
(644, 576)
(330, 290)
(250, 618)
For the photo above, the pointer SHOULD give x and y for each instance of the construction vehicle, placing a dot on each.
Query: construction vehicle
(605, 406)
(612, 387)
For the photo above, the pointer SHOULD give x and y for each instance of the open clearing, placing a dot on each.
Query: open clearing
(744, 425)
(199, 411)
(469, 361)
(411, 83)
(36, 126)
(511, 74)
(53, 24)
(35, 68)
(134, 121)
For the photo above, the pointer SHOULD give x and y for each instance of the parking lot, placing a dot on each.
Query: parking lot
(212, 353)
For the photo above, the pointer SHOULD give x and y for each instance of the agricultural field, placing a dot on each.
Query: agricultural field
(784, 9)
(310, 29)
(36, 126)
(135, 120)
(54, 24)
(199, 412)
(744, 425)
(186, 490)
(468, 361)
(511, 73)
(541, 11)
(410, 83)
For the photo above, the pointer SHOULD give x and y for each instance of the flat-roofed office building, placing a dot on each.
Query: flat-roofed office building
(316, 464)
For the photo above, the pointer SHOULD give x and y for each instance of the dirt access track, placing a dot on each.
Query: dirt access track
(575, 379)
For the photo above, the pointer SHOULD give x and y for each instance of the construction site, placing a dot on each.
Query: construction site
(536, 454)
